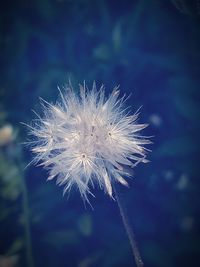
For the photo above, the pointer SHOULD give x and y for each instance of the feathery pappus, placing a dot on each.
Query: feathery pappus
(87, 139)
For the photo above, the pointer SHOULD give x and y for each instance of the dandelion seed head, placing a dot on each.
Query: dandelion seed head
(88, 139)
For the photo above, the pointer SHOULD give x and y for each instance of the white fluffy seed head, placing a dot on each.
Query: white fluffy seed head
(88, 139)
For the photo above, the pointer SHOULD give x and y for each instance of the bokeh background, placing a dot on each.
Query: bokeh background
(150, 48)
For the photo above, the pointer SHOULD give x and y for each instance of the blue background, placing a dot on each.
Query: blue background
(150, 48)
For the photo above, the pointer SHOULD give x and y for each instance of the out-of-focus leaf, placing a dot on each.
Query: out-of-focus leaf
(188, 107)
(10, 178)
(85, 224)
(90, 261)
(15, 247)
(186, 96)
(102, 52)
(3, 116)
(116, 36)
(4, 213)
(62, 237)
(178, 147)
(186, 7)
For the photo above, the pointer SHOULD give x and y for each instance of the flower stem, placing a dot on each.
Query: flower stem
(29, 255)
(25, 208)
(129, 230)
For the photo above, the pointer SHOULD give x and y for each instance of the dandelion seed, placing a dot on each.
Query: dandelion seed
(88, 139)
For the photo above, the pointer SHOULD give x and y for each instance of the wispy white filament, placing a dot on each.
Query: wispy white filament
(88, 139)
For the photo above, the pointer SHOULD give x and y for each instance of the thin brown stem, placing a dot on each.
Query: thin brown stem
(129, 230)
